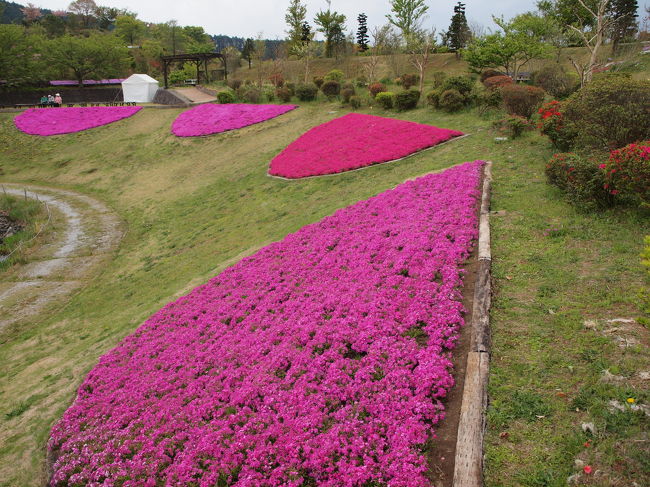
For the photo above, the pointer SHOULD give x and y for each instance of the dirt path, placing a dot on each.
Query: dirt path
(194, 95)
(82, 235)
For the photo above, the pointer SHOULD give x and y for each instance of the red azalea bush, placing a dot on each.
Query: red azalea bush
(376, 88)
(553, 125)
(496, 82)
(354, 141)
(627, 173)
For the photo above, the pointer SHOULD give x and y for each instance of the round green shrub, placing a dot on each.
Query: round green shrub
(335, 75)
(376, 88)
(224, 97)
(331, 88)
(318, 81)
(462, 84)
(433, 98)
(252, 95)
(487, 99)
(346, 94)
(361, 81)
(355, 102)
(234, 83)
(451, 100)
(407, 100)
(610, 112)
(291, 87)
(582, 180)
(386, 99)
(555, 80)
(306, 92)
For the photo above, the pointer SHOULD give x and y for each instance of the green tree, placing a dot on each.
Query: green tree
(362, 32)
(295, 18)
(54, 25)
(129, 28)
(332, 25)
(19, 60)
(522, 40)
(248, 51)
(197, 40)
(624, 25)
(407, 15)
(458, 34)
(106, 17)
(98, 55)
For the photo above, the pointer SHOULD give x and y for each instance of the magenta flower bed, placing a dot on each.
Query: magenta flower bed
(353, 141)
(320, 360)
(213, 119)
(56, 121)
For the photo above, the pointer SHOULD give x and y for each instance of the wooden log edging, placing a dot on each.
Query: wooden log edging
(468, 468)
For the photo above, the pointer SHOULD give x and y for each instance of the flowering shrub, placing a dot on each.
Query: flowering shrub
(320, 360)
(213, 119)
(627, 173)
(553, 125)
(582, 180)
(56, 121)
(361, 140)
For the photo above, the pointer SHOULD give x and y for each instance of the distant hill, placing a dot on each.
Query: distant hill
(12, 13)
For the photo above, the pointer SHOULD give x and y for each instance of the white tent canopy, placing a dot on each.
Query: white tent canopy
(140, 88)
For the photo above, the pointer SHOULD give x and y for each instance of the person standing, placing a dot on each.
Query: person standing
(44, 100)
(50, 100)
(58, 101)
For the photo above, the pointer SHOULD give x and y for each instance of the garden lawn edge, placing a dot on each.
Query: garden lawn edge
(468, 464)
(453, 139)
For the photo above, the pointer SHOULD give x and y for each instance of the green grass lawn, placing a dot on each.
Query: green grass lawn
(195, 206)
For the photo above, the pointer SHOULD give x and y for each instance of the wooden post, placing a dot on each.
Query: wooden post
(165, 72)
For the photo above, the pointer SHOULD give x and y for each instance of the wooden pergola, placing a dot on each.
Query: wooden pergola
(201, 58)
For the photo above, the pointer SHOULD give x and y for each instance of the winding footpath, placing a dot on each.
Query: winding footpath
(82, 235)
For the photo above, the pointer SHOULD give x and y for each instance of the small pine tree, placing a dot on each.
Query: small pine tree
(362, 32)
(306, 34)
(248, 51)
(458, 34)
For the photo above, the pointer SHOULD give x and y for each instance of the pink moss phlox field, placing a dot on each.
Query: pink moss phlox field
(320, 360)
(67, 120)
(353, 141)
(213, 119)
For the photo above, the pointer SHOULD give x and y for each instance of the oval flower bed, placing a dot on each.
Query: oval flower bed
(213, 119)
(353, 141)
(67, 120)
(320, 360)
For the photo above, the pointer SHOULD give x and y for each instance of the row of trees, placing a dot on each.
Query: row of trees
(89, 41)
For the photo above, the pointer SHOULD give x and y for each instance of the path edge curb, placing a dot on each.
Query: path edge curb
(468, 469)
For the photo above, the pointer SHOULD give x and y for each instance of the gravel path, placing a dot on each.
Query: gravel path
(82, 236)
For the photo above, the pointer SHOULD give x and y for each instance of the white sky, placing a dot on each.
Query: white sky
(247, 18)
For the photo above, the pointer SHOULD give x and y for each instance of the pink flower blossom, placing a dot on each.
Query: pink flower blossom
(322, 359)
(212, 119)
(353, 141)
(66, 120)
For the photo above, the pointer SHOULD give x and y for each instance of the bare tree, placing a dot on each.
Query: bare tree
(258, 56)
(591, 38)
(379, 35)
(419, 51)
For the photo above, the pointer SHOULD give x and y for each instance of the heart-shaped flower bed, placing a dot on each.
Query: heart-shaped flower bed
(353, 141)
(67, 120)
(213, 119)
(320, 360)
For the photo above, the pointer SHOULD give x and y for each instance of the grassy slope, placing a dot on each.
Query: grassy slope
(193, 206)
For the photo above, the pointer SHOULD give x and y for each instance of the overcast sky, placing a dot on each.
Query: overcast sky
(247, 18)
